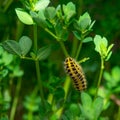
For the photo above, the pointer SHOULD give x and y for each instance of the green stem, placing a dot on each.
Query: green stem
(78, 52)
(67, 86)
(35, 37)
(74, 47)
(9, 2)
(100, 76)
(67, 82)
(60, 42)
(66, 89)
(39, 81)
(30, 115)
(19, 31)
(38, 67)
(27, 58)
(15, 101)
(53, 35)
(64, 49)
(83, 60)
(118, 114)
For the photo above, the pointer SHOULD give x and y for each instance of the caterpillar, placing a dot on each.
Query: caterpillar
(76, 73)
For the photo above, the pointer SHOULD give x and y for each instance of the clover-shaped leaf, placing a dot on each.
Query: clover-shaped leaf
(101, 46)
(69, 11)
(20, 48)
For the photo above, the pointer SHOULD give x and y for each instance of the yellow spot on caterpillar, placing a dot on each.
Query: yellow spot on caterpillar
(76, 73)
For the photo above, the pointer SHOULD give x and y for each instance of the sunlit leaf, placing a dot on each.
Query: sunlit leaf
(84, 21)
(24, 17)
(41, 4)
(101, 45)
(69, 10)
(87, 39)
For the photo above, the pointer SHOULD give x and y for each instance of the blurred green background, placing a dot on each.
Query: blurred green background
(107, 16)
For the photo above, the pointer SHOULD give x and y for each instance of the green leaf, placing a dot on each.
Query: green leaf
(97, 106)
(59, 12)
(25, 44)
(24, 17)
(107, 76)
(77, 35)
(12, 47)
(69, 11)
(86, 100)
(61, 32)
(50, 13)
(108, 56)
(31, 103)
(84, 21)
(116, 74)
(87, 39)
(39, 18)
(74, 109)
(101, 45)
(43, 52)
(91, 25)
(5, 57)
(41, 4)
(3, 73)
(33, 55)
(41, 15)
(109, 48)
(17, 72)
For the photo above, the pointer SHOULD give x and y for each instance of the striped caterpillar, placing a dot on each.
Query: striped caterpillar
(76, 73)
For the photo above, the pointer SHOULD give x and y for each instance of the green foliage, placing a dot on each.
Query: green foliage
(25, 44)
(69, 11)
(20, 48)
(84, 23)
(101, 45)
(6, 65)
(43, 52)
(91, 109)
(31, 103)
(113, 79)
(47, 90)
(24, 16)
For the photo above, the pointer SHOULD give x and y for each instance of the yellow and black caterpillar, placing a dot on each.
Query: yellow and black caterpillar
(76, 73)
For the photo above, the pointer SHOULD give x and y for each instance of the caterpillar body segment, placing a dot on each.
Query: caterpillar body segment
(76, 73)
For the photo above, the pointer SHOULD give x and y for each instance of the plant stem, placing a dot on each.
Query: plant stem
(30, 115)
(9, 2)
(39, 81)
(67, 86)
(27, 58)
(78, 52)
(66, 89)
(74, 47)
(64, 49)
(53, 35)
(118, 114)
(60, 42)
(35, 37)
(38, 67)
(100, 76)
(15, 101)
